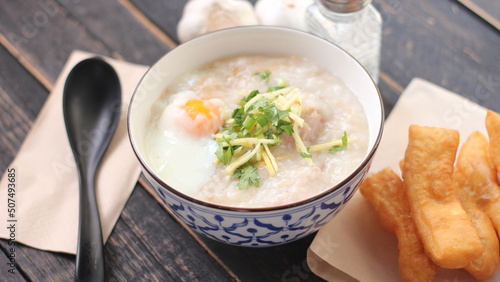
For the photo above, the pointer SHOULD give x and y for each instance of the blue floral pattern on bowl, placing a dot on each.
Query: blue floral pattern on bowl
(259, 228)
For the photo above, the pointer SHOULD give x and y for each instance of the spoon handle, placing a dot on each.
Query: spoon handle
(90, 256)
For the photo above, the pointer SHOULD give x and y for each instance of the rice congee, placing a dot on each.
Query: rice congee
(256, 131)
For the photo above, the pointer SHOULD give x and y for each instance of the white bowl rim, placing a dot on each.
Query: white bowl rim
(366, 161)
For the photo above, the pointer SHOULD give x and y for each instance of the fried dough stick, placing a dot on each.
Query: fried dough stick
(446, 230)
(493, 127)
(385, 192)
(487, 264)
(473, 175)
(480, 175)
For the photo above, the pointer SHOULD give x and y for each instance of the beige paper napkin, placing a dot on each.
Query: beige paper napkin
(46, 181)
(353, 246)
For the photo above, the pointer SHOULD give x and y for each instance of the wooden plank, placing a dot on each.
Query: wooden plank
(127, 258)
(44, 33)
(26, 93)
(119, 29)
(121, 253)
(390, 92)
(168, 242)
(9, 269)
(487, 10)
(12, 131)
(21, 98)
(164, 14)
(442, 42)
(281, 263)
(37, 265)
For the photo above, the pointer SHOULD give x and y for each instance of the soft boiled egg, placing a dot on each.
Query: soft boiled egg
(184, 153)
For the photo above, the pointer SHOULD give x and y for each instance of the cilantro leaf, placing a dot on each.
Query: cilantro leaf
(283, 113)
(224, 154)
(264, 75)
(285, 126)
(239, 116)
(274, 115)
(269, 134)
(248, 176)
(260, 105)
(271, 115)
(249, 97)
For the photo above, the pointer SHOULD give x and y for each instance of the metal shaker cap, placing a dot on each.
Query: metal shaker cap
(344, 6)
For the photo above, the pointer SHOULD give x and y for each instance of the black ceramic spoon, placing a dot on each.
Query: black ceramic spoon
(91, 107)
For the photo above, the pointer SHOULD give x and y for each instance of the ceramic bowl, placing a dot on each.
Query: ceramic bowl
(255, 227)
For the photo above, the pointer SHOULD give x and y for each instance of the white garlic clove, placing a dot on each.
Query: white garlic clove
(287, 13)
(203, 16)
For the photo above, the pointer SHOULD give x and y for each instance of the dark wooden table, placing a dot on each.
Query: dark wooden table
(440, 41)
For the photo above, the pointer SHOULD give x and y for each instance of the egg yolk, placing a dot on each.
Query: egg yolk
(195, 107)
(201, 118)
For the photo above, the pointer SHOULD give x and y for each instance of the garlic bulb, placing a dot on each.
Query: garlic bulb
(288, 13)
(202, 16)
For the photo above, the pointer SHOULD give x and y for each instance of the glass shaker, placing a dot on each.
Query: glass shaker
(354, 25)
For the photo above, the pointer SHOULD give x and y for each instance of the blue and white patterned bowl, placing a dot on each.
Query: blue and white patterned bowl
(255, 227)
